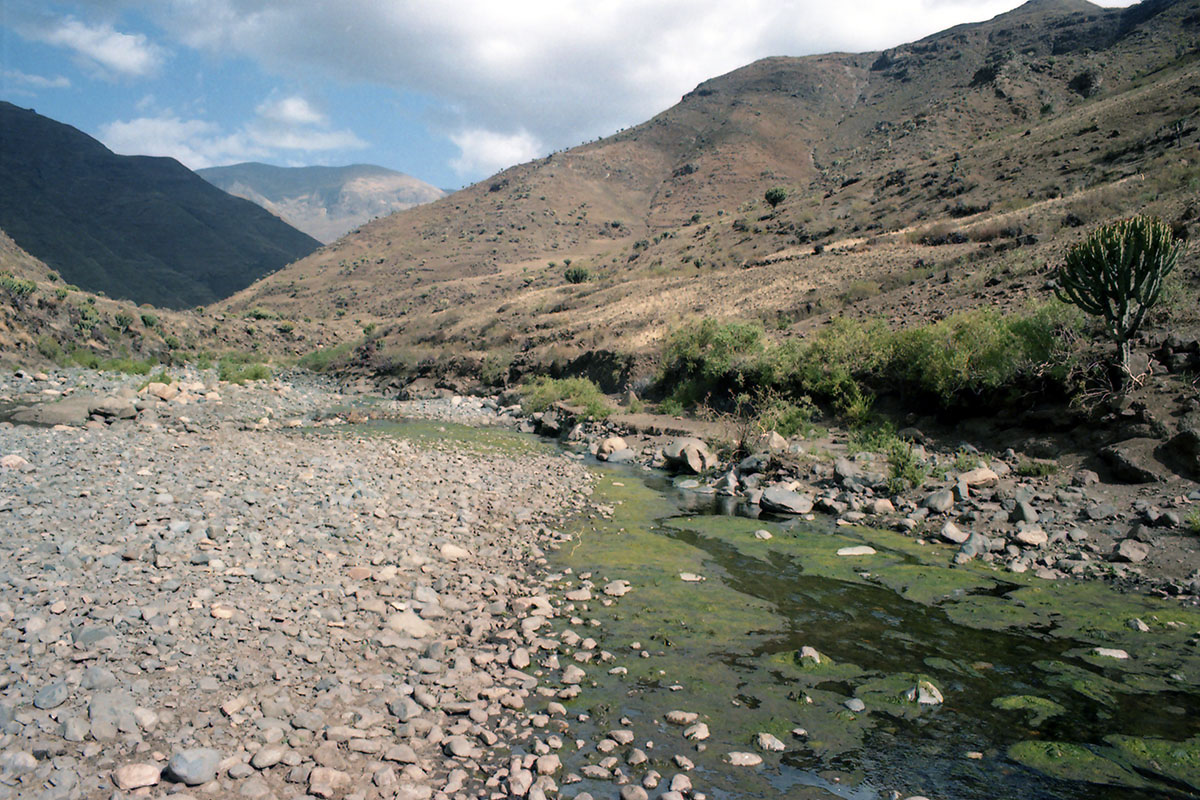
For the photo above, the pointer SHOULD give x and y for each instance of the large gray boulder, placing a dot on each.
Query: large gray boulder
(73, 410)
(689, 455)
(783, 500)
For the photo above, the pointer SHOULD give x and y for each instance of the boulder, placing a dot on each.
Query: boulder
(73, 411)
(939, 502)
(1129, 462)
(609, 446)
(689, 455)
(980, 476)
(781, 499)
(1130, 551)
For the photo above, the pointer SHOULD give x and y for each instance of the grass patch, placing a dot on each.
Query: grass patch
(1028, 468)
(321, 360)
(234, 369)
(541, 393)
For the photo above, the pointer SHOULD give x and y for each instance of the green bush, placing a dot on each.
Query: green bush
(260, 313)
(321, 360)
(775, 196)
(18, 289)
(905, 468)
(285, 327)
(966, 357)
(61, 293)
(1036, 469)
(149, 320)
(576, 274)
(541, 393)
(712, 358)
(122, 320)
(234, 370)
(50, 348)
(172, 342)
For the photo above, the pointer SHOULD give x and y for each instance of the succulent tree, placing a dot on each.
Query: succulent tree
(1117, 274)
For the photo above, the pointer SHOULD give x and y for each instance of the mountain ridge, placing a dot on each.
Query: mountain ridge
(1002, 123)
(138, 227)
(325, 202)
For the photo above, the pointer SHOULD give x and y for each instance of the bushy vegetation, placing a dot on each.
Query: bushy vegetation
(967, 357)
(149, 320)
(17, 289)
(541, 393)
(237, 369)
(576, 274)
(322, 359)
(775, 196)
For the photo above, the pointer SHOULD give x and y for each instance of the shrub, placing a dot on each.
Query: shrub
(259, 313)
(576, 274)
(1193, 521)
(123, 320)
(775, 196)
(712, 358)
(541, 393)
(321, 360)
(285, 327)
(18, 289)
(1036, 469)
(149, 320)
(61, 293)
(172, 342)
(236, 370)
(905, 468)
(1117, 274)
(787, 417)
(50, 348)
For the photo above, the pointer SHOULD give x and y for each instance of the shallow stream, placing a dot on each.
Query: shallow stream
(1030, 709)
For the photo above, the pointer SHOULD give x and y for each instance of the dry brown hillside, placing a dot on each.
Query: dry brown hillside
(940, 174)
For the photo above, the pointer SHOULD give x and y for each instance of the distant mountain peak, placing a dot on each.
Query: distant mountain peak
(324, 202)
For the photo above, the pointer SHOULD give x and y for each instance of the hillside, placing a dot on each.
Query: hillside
(145, 229)
(941, 174)
(324, 202)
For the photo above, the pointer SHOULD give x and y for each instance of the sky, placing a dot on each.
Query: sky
(449, 91)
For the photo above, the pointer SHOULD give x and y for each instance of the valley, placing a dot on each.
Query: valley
(752, 451)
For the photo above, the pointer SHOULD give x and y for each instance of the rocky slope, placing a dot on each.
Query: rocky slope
(936, 175)
(324, 202)
(134, 227)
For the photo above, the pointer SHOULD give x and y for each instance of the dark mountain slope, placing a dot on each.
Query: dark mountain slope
(142, 228)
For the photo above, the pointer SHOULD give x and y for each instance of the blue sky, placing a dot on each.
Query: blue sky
(449, 92)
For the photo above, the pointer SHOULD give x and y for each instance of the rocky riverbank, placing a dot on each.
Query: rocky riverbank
(213, 597)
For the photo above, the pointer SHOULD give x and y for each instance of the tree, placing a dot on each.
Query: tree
(1117, 274)
(775, 196)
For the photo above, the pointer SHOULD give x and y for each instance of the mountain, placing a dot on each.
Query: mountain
(324, 202)
(942, 174)
(146, 229)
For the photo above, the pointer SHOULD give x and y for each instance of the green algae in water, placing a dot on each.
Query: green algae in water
(1073, 762)
(1038, 709)
(929, 584)
(903, 609)
(888, 693)
(1177, 761)
(428, 432)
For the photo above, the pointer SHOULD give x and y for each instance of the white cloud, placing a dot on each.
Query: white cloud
(287, 125)
(292, 110)
(18, 79)
(194, 142)
(485, 152)
(101, 47)
(557, 72)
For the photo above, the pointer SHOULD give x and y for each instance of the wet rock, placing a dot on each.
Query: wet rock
(769, 742)
(857, 550)
(689, 455)
(607, 447)
(738, 759)
(782, 499)
(924, 693)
